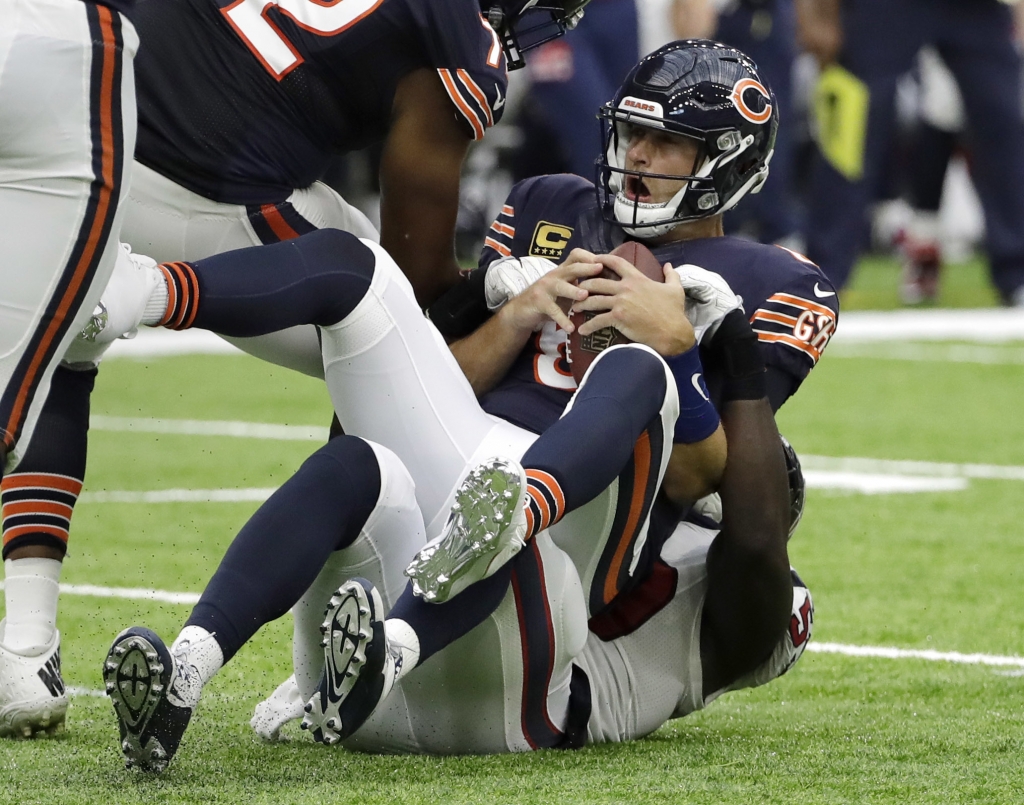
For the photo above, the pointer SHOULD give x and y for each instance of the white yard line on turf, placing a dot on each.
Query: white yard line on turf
(930, 353)
(887, 653)
(210, 427)
(867, 483)
(257, 494)
(999, 472)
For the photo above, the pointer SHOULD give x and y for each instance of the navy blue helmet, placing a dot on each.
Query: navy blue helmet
(525, 24)
(700, 89)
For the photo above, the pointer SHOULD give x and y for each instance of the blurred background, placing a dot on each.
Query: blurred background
(899, 167)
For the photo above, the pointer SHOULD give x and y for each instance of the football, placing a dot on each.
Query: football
(581, 350)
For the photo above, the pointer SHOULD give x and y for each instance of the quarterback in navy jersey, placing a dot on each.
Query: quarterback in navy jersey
(791, 305)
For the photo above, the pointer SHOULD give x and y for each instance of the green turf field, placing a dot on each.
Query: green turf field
(939, 571)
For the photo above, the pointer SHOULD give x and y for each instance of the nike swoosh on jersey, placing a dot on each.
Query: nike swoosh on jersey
(696, 384)
(822, 294)
(499, 101)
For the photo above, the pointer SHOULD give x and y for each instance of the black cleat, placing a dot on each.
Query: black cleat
(139, 674)
(359, 667)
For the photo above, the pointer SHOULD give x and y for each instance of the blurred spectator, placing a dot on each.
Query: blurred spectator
(876, 41)
(766, 31)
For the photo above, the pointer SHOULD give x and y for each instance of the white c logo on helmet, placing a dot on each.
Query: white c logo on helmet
(742, 86)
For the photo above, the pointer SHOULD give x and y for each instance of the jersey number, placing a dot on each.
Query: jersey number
(800, 625)
(250, 21)
(550, 368)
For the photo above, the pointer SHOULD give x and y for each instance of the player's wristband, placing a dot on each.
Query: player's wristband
(698, 418)
(737, 356)
(463, 308)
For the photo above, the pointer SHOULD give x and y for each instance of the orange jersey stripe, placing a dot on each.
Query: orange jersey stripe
(507, 210)
(642, 462)
(768, 315)
(461, 105)
(476, 92)
(504, 229)
(500, 248)
(789, 341)
(107, 158)
(804, 304)
(41, 480)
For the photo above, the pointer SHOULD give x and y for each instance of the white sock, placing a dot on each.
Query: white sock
(401, 636)
(156, 307)
(197, 648)
(31, 590)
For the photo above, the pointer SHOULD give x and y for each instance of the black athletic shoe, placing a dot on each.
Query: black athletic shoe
(140, 675)
(359, 666)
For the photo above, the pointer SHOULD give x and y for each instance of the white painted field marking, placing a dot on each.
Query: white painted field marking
(998, 472)
(880, 484)
(885, 652)
(933, 353)
(987, 325)
(210, 427)
(257, 494)
(130, 593)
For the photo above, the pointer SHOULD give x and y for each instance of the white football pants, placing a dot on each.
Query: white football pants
(67, 132)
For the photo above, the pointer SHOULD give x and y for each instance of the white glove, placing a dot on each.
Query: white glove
(510, 276)
(708, 299)
(283, 705)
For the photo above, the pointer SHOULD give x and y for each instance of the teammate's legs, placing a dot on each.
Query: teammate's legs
(347, 490)
(170, 223)
(67, 120)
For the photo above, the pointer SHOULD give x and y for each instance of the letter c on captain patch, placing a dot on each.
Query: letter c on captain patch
(739, 100)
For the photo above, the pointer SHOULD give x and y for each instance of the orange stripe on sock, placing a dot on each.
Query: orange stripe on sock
(41, 480)
(19, 507)
(20, 531)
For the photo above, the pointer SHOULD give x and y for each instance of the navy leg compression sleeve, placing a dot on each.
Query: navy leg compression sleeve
(318, 278)
(280, 551)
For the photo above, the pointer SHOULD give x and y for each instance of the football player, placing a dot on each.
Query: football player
(67, 129)
(443, 428)
(355, 502)
(689, 134)
(241, 107)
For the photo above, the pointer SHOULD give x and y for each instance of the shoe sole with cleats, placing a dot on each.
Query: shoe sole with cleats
(476, 532)
(354, 655)
(136, 674)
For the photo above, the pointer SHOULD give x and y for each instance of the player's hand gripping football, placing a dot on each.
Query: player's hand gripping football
(643, 310)
(540, 302)
(708, 299)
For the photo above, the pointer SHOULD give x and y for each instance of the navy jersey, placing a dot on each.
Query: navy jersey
(792, 306)
(243, 101)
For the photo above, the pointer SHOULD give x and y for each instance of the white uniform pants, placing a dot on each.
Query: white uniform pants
(67, 130)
